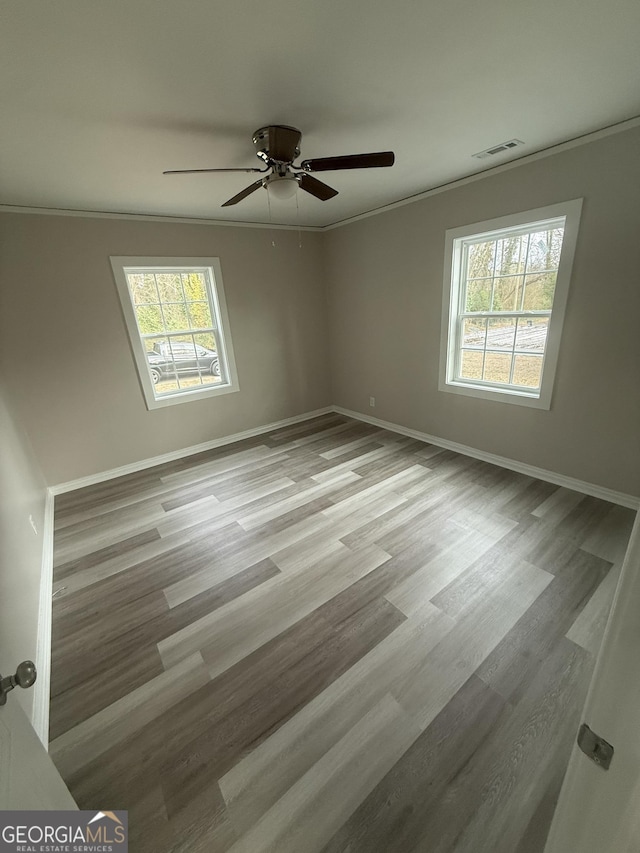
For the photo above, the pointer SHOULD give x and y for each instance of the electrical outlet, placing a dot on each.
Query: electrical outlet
(33, 524)
(372, 402)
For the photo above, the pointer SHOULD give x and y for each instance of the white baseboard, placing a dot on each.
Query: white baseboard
(592, 489)
(134, 467)
(40, 713)
(631, 501)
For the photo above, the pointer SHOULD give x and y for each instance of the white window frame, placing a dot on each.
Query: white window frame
(218, 306)
(453, 293)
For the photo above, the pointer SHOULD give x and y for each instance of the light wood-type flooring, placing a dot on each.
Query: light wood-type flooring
(328, 638)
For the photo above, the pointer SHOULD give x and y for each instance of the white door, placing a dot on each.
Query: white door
(28, 777)
(598, 810)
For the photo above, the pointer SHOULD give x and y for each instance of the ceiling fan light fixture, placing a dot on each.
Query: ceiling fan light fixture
(281, 187)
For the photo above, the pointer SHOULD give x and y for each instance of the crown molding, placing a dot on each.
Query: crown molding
(148, 217)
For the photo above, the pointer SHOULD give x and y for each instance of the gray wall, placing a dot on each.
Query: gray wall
(372, 288)
(66, 354)
(22, 494)
(385, 278)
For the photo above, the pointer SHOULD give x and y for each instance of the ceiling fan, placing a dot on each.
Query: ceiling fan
(277, 146)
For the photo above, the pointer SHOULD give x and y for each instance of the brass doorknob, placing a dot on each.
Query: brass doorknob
(25, 676)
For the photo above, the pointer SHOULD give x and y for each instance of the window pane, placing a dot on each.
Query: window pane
(169, 287)
(190, 381)
(149, 319)
(194, 286)
(180, 344)
(507, 293)
(532, 334)
(544, 250)
(209, 362)
(206, 340)
(166, 386)
(478, 295)
(471, 365)
(539, 289)
(175, 317)
(199, 315)
(474, 333)
(480, 260)
(497, 367)
(510, 255)
(527, 371)
(142, 287)
(501, 334)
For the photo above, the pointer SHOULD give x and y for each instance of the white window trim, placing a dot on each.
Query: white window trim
(119, 266)
(542, 399)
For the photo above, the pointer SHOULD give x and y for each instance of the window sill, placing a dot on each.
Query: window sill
(187, 396)
(518, 398)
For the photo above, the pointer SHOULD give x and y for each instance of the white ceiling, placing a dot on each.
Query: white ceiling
(97, 97)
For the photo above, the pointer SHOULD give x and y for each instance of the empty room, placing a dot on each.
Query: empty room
(318, 490)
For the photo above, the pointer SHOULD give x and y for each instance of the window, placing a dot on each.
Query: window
(506, 284)
(178, 327)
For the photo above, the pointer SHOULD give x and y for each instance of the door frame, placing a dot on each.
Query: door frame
(42, 687)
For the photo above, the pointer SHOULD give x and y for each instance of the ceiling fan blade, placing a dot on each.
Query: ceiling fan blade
(350, 161)
(316, 187)
(194, 171)
(284, 143)
(245, 192)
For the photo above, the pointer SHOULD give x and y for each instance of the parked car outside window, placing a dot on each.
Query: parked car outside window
(171, 358)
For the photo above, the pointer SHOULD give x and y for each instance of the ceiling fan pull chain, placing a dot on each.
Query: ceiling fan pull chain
(298, 220)
(273, 236)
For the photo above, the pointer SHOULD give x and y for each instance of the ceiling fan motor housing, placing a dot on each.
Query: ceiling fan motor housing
(277, 143)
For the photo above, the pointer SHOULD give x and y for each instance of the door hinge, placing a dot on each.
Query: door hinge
(595, 747)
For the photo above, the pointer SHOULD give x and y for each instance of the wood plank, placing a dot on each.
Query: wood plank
(231, 461)
(609, 538)
(304, 494)
(257, 782)
(245, 624)
(313, 808)
(103, 555)
(523, 755)
(115, 723)
(92, 676)
(560, 503)
(87, 691)
(394, 816)
(514, 662)
(340, 449)
(201, 825)
(442, 569)
(87, 571)
(479, 630)
(588, 629)
(253, 699)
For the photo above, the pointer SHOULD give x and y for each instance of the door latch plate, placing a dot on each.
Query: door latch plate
(595, 747)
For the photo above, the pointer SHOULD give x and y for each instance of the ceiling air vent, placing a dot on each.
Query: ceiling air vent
(498, 149)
